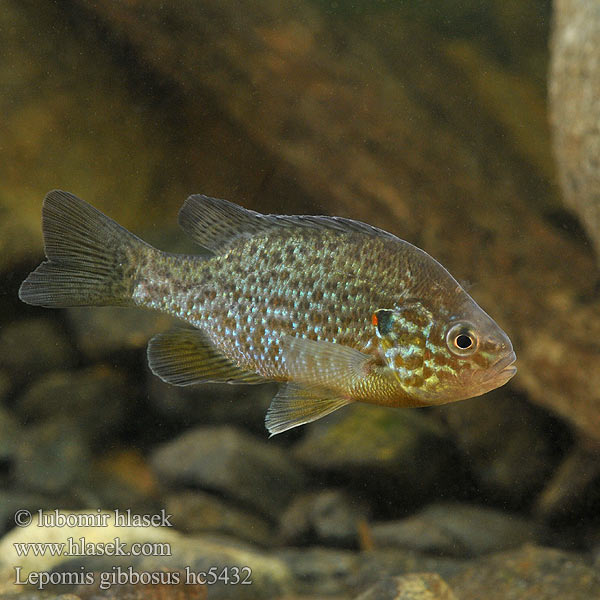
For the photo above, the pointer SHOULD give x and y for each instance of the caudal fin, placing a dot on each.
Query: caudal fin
(92, 260)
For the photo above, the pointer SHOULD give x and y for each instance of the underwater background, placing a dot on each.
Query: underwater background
(468, 128)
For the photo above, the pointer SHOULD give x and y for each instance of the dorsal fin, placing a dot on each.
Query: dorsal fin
(216, 224)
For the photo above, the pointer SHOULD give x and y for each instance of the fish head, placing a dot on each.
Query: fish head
(444, 354)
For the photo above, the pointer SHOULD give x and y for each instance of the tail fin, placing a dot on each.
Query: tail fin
(91, 259)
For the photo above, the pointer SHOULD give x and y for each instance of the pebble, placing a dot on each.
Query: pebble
(12, 501)
(321, 571)
(232, 462)
(415, 586)
(270, 576)
(573, 485)
(529, 573)
(378, 564)
(455, 529)
(199, 512)
(51, 457)
(95, 399)
(330, 517)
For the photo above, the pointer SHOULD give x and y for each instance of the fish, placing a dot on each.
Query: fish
(336, 310)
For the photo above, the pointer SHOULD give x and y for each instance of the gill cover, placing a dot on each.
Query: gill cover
(403, 334)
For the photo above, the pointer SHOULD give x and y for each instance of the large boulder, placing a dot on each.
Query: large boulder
(453, 157)
(575, 108)
(397, 453)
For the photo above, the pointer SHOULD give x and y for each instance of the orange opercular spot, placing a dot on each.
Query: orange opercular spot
(374, 319)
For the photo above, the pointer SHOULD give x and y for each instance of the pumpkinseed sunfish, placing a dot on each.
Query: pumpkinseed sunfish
(337, 309)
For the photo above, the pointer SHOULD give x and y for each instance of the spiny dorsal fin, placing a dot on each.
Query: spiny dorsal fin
(216, 224)
(187, 357)
(296, 405)
(324, 363)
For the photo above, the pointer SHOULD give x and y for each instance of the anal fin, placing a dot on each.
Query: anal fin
(187, 357)
(296, 405)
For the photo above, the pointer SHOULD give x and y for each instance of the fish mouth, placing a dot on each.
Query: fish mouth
(497, 375)
(505, 365)
(502, 370)
(475, 384)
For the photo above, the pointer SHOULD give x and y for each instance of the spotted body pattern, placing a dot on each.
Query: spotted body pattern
(338, 309)
(270, 287)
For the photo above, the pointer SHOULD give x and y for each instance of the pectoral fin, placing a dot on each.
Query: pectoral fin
(324, 364)
(187, 357)
(296, 405)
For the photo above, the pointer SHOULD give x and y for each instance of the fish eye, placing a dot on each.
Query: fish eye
(461, 339)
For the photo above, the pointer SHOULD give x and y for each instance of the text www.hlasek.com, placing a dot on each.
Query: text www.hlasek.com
(81, 547)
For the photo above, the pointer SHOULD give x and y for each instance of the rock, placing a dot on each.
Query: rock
(100, 529)
(94, 400)
(63, 127)
(57, 131)
(327, 571)
(269, 575)
(386, 449)
(416, 586)
(510, 446)
(123, 479)
(33, 346)
(10, 433)
(103, 489)
(100, 332)
(454, 529)
(328, 516)
(232, 462)
(574, 91)
(530, 573)
(412, 533)
(244, 405)
(173, 587)
(198, 512)
(38, 596)
(379, 564)
(4, 385)
(380, 158)
(321, 571)
(571, 491)
(51, 456)
(12, 501)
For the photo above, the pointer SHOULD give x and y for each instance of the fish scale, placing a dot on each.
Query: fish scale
(284, 303)
(337, 310)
